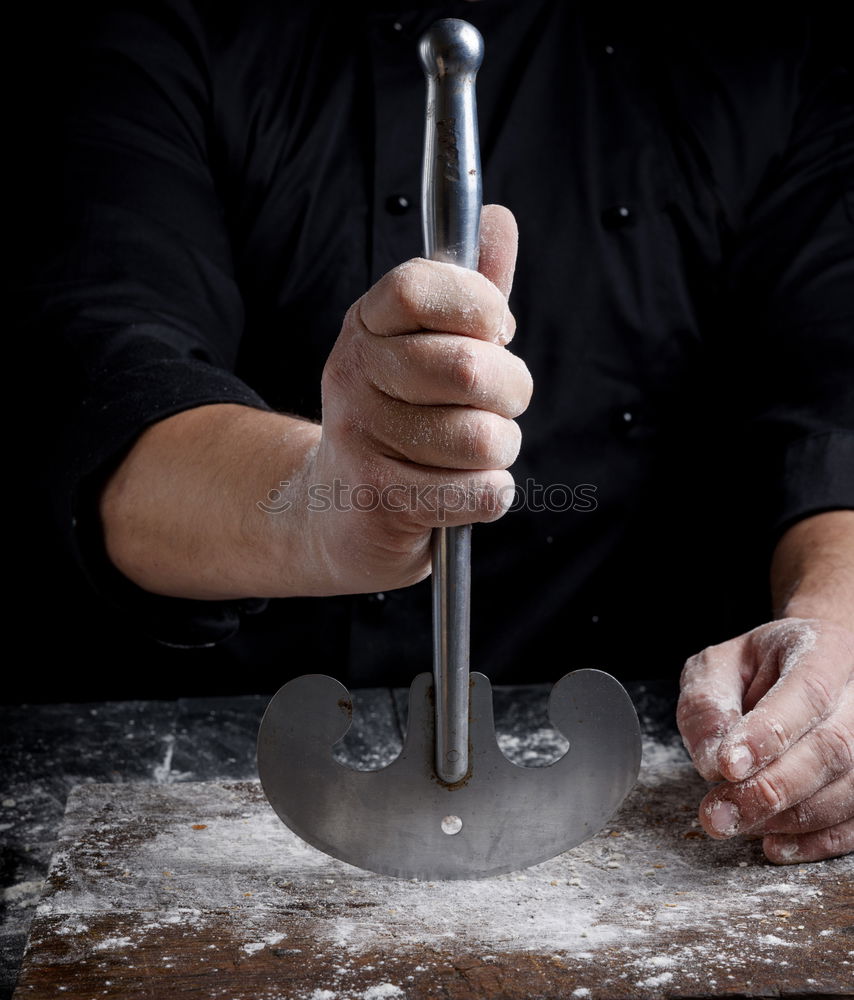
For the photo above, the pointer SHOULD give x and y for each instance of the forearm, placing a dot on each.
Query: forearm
(180, 515)
(812, 571)
(420, 396)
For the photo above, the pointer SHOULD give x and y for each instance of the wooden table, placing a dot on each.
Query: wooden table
(195, 889)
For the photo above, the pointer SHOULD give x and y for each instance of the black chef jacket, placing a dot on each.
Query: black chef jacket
(231, 179)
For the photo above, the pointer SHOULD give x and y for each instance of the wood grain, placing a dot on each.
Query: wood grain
(196, 890)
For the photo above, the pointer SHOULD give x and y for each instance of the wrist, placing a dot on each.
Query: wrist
(812, 572)
(818, 608)
(180, 515)
(279, 543)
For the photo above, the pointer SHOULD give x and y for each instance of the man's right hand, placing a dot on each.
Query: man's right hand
(420, 397)
(419, 400)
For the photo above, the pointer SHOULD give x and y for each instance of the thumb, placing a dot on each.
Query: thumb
(499, 238)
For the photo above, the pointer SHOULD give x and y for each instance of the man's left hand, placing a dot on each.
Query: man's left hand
(770, 715)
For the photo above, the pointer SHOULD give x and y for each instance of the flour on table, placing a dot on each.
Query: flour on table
(650, 891)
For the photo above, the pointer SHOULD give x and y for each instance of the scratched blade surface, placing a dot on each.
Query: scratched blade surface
(390, 820)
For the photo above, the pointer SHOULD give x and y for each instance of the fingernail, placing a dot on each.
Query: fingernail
(724, 818)
(706, 757)
(782, 849)
(740, 761)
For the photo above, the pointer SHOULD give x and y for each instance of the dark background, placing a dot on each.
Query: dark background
(62, 645)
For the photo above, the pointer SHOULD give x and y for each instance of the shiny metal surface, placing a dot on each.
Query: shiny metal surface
(394, 820)
(451, 582)
(451, 806)
(451, 52)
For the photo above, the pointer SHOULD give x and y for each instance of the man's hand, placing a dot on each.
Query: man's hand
(770, 714)
(419, 399)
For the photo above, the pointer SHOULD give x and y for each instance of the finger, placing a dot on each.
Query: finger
(499, 240)
(832, 842)
(829, 806)
(439, 369)
(822, 756)
(430, 498)
(431, 295)
(711, 690)
(813, 666)
(443, 437)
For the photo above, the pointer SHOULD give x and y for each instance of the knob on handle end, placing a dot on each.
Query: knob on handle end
(451, 47)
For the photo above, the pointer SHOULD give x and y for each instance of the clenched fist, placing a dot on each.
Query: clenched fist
(420, 396)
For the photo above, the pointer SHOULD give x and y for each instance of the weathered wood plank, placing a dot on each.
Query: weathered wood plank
(45, 750)
(196, 890)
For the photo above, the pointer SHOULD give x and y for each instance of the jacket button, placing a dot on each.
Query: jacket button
(397, 204)
(392, 30)
(626, 423)
(617, 217)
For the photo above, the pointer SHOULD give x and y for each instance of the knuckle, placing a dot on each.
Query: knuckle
(356, 357)
(695, 703)
(772, 740)
(352, 427)
(836, 747)
(817, 693)
(804, 815)
(689, 712)
(491, 441)
(339, 379)
(482, 442)
(700, 708)
(464, 368)
(485, 307)
(689, 671)
(487, 503)
(353, 317)
(487, 495)
(696, 674)
(769, 793)
(405, 285)
(454, 502)
(345, 367)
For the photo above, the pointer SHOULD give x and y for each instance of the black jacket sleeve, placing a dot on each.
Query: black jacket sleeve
(134, 299)
(791, 271)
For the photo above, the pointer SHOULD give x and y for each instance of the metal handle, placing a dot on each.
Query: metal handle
(451, 52)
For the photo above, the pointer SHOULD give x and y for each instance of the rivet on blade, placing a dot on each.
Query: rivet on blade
(452, 825)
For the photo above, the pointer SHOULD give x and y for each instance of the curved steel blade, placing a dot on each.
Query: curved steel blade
(391, 820)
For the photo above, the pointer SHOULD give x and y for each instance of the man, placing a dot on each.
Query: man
(234, 181)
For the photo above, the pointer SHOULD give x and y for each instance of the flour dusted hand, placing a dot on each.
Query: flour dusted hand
(419, 399)
(770, 715)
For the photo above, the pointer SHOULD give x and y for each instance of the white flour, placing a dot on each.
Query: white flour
(800, 638)
(661, 898)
